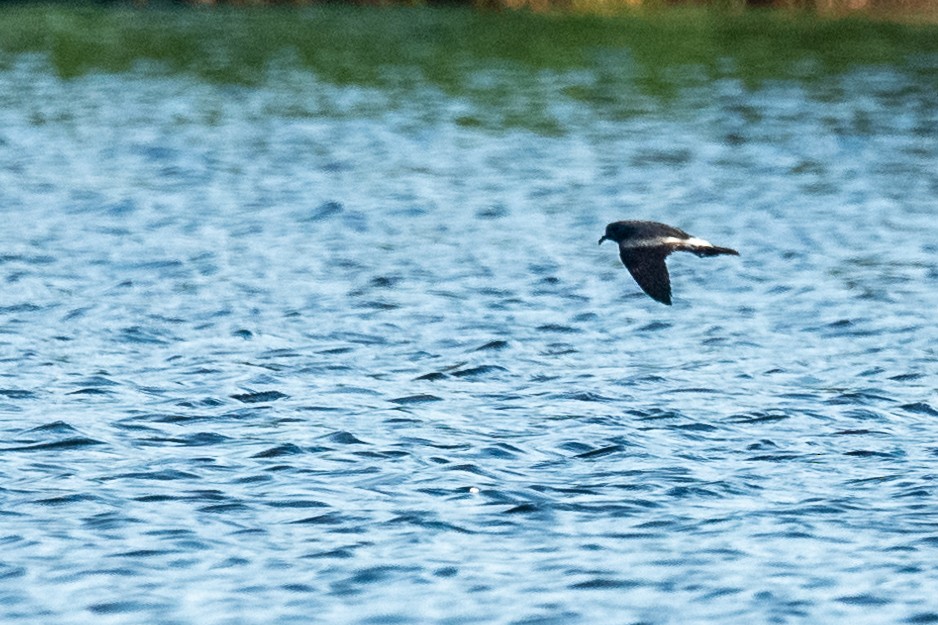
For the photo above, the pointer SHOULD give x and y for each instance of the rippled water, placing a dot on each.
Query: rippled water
(262, 365)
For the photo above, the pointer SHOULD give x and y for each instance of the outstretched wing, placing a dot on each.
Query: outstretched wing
(646, 264)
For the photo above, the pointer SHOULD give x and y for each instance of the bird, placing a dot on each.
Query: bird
(644, 246)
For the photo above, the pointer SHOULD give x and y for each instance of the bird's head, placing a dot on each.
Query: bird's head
(616, 231)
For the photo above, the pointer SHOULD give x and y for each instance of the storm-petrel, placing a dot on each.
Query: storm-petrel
(643, 246)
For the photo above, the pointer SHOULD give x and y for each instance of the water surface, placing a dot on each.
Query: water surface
(299, 352)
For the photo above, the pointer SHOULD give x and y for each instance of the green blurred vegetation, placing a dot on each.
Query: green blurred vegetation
(492, 57)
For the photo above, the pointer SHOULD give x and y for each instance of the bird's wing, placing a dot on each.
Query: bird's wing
(647, 266)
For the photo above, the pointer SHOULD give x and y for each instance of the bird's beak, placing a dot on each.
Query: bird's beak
(601, 239)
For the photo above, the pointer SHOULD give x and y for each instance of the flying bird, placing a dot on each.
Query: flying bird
(643, 247)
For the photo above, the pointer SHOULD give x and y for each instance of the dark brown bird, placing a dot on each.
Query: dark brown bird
(643, 247)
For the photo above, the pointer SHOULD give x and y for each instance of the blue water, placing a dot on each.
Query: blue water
(299, 353)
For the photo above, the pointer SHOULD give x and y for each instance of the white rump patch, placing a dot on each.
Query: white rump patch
(668, 241)
(692, 242)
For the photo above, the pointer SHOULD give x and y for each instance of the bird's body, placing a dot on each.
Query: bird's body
(644, 246)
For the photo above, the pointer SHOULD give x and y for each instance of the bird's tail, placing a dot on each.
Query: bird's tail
(716, 251)
(713, 250)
